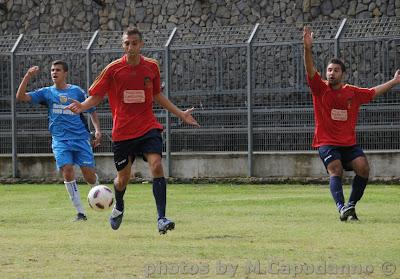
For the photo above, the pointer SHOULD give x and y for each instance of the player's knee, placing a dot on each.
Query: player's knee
(335, 170)
(364, 172)
(156, 167)
(68, 172)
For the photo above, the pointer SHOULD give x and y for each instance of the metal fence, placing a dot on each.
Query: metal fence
(247, 83)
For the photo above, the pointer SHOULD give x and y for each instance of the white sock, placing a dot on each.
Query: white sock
(72, 189)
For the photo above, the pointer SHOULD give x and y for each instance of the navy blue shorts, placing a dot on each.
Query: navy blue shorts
(151, 142)
(345, 154)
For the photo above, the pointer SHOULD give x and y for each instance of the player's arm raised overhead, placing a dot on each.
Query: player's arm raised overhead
(21, 92)
(186, 115)
(382, 88)
(308, 58)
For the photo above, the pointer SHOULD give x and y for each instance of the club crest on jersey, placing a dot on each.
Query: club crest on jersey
(148, 83)
(349, 102)
(63, 99)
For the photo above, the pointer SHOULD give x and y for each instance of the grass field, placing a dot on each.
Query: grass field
(222, 231)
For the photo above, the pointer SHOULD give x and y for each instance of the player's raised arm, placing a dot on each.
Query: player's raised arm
(308, 58)
(382, 88)
(21, 92)
(78, 107)
(185, 116)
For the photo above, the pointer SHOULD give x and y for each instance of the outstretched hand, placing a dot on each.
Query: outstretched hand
(308, 37)
(189, 119)
(75, 106)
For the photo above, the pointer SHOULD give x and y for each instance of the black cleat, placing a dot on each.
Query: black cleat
(347, 211)
(80, 217)
(116, 218)
(353, 217)
(165, 225)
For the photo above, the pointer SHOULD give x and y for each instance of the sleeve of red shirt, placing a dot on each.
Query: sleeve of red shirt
(315, 83)
(156, 80)
(363, 95)
(101, 84)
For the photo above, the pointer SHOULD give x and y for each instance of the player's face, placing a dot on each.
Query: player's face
(132, 44)
(334, 74)
(58, 74)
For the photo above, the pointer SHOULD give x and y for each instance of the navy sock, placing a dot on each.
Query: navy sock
(335, 185)
(160, 195)
(357, 190)
(119, 199)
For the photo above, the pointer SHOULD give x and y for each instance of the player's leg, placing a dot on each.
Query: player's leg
(72, 189)
(83, 157)
(331, 158)
(151, 147)
(361, 168)
(159, 191)
(120, 183)
(64, 162)
(90, 175)
(159, 182)
(123, 163)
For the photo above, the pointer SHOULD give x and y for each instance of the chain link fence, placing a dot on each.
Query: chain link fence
(247, 83)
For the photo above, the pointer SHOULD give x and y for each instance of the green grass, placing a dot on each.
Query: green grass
(284, 229)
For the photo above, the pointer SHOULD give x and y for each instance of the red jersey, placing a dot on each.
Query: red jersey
(336, 111)
(130, 91)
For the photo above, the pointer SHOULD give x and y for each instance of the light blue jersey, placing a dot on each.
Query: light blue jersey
(70, 134)
(63, 124)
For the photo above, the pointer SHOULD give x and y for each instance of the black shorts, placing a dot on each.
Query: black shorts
(345, 154)
(151, 142)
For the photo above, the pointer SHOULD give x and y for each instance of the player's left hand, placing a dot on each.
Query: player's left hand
(75, 106)
(189, 119)
(97, 139)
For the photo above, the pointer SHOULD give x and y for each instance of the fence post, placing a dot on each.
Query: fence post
(250, 103)
(89, 67)
(15, 171)
(337, 49)
(166, 92)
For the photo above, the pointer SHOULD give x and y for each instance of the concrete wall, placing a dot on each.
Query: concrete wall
(305, 166)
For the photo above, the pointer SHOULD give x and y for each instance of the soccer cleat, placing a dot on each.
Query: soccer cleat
(116, 218)
(353, 217)
(165, 225)
(346, 211)
(80, 217)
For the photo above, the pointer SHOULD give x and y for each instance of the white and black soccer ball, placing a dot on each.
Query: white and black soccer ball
(100, 198)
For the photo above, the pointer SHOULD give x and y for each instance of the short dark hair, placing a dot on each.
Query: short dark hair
(338, 62)
(62, 63)
(132, 31)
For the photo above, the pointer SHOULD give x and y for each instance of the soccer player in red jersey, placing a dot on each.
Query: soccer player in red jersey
(132, 83)
(336, 108)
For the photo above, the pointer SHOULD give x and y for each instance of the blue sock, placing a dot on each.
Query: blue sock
(119, 199)
(335, 185)
(160, 195)
(357, 190)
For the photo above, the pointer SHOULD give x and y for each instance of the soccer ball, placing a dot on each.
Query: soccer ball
(100, 198)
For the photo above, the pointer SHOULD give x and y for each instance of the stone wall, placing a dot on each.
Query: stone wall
(52, 16)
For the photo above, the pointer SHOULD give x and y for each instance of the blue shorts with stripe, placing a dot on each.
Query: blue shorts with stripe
(73, 152)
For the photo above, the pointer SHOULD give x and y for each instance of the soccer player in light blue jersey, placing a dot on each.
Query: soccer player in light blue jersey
(70, 134)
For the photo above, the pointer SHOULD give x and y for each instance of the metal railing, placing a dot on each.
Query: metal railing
(247, 83)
